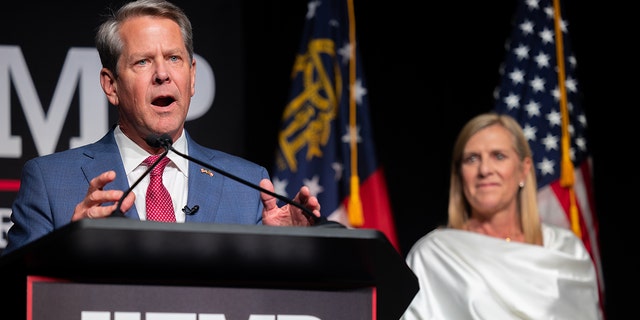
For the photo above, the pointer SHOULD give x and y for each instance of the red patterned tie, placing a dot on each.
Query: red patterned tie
(159, 205)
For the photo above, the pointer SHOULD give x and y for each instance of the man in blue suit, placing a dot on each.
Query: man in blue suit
(148, 74)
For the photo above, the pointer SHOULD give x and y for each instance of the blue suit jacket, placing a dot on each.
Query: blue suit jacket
(51, 186)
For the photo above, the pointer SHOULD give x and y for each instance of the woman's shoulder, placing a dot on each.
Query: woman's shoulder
(562, 239)
(442, 237)
(553, 232)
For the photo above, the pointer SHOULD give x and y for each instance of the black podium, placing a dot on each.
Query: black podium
(117, 267)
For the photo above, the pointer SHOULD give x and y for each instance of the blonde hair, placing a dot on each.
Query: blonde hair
(459, 208)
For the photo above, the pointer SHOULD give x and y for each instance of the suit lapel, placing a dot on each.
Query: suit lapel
(205, 185)
(104, 156)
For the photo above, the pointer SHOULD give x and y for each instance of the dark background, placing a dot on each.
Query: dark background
(430, 66)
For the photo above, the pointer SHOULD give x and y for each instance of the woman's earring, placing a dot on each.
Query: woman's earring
(521, 184)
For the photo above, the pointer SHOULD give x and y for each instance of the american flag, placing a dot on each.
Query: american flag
(326, 140)
(552, 118)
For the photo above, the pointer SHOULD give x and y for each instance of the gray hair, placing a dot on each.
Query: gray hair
(109, 43)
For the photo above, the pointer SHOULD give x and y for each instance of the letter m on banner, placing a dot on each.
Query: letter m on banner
(81, 66)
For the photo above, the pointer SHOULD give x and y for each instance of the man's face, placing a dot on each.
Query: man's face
(156, 79)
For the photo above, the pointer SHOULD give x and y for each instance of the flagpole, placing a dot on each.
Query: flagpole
(566, 168)
(356, 218)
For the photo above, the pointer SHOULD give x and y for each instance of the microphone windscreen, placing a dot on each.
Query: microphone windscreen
(155, 141)
(165, 140)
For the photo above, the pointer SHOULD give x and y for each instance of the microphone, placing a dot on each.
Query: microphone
(163, 141)
(166, 142)
(190, 211)
(156, 142)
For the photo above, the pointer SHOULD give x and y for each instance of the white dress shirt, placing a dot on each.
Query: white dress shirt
(175, 176)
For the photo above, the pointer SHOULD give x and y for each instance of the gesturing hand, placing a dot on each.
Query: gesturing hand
(91, 206)
(288, 215)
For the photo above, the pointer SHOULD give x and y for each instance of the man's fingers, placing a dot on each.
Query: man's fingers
(268, 200)
(100, 181)
(91, 206)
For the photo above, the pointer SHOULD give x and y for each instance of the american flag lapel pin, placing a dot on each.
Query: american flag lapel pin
(203, 170)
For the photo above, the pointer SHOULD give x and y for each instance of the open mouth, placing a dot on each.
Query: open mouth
(163, 101)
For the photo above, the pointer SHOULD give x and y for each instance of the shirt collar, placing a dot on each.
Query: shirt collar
(133, 155)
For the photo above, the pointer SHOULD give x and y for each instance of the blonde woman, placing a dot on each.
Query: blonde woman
(495, 259)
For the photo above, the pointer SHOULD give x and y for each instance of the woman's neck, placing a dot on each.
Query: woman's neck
(504, 226)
